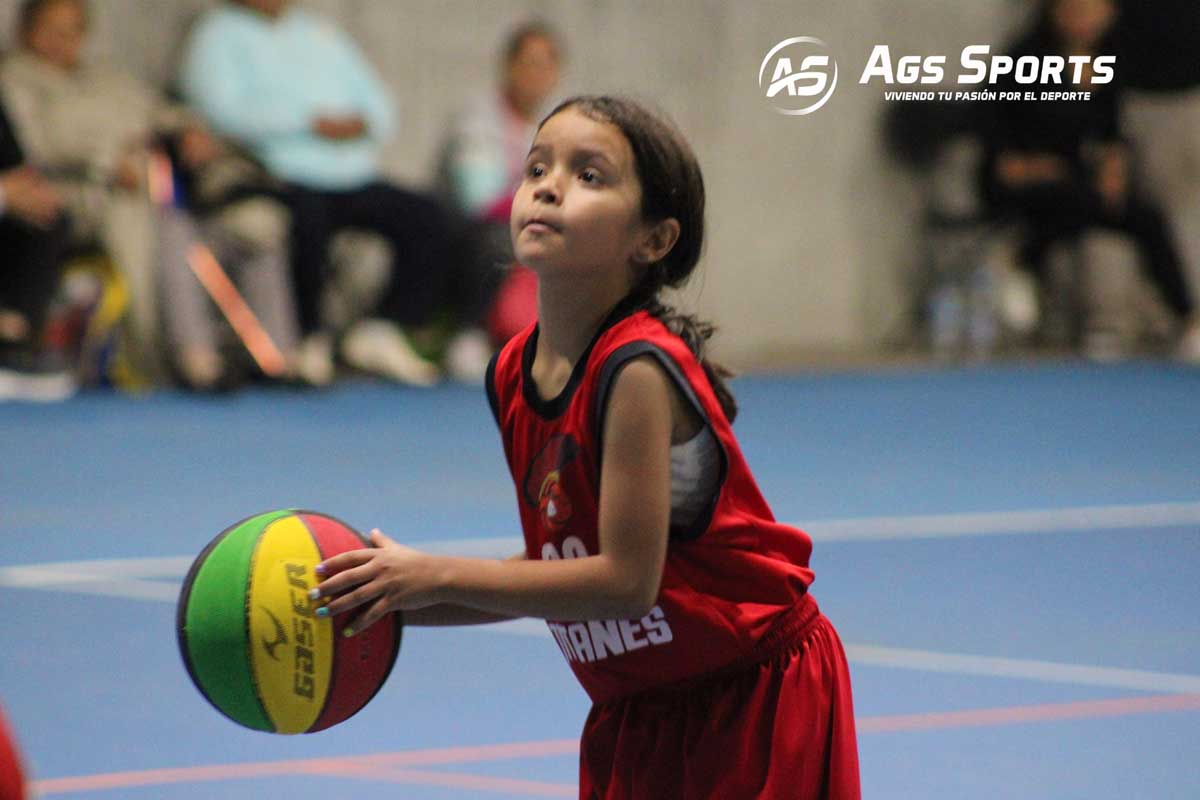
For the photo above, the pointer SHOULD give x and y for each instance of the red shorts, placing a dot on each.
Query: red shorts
(780, 725)
(12, 784)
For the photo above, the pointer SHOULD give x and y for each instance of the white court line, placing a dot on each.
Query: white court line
(157, 579)
(989, 523)
(144, 576)
(87, 576)
(1027, 669)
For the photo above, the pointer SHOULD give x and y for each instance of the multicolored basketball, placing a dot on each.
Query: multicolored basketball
(250, 638)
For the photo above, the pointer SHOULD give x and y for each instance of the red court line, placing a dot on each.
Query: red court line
(462, 780)
(1037, 713)
(463, 755)
(394, 767)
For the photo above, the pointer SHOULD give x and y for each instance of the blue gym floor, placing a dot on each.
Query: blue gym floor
(1011, 555)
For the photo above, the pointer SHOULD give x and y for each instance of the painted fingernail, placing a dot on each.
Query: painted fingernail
(319, 569)
(323, 611)
(348, 631)
(314, 593)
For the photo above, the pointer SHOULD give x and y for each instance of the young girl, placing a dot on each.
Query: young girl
(680, 603)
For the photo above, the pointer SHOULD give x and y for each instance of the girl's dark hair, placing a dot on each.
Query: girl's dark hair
(672, 187)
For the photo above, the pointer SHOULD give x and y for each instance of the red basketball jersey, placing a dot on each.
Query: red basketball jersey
(727, 581)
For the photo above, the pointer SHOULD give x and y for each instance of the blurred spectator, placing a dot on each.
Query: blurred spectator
(226, 202)
(96, 130)
(1063, 168)
(482, 160)
(299, 93)
(33, 239)
(1159, 43)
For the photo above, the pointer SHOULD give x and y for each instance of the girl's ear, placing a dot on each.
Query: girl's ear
(656, 241)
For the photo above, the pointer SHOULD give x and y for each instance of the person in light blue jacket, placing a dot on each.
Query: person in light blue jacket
(301, 96)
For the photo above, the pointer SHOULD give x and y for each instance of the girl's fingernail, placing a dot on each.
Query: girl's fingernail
(348, 631)
(319, 569)
(323, 611)
(314, 593)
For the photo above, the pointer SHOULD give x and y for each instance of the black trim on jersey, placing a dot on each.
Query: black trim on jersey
(489, 383)
(555, 406)
(608, 375)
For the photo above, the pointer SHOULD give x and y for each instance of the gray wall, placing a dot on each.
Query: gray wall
(812, 227)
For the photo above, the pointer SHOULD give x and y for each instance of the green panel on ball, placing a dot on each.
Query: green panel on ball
(215, 624)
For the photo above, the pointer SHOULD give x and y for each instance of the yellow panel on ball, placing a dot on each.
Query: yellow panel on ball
(291, 649)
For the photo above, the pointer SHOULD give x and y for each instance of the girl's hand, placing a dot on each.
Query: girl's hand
(388, 577)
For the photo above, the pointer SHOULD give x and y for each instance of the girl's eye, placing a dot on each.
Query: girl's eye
(589, 176)
(535, 170)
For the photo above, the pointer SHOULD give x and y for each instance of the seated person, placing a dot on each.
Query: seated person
(96, 130)
(301, 96)
(33, 239)
(483, 160)
(1062, 167)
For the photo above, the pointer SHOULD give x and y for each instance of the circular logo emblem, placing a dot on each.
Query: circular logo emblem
(798, 75)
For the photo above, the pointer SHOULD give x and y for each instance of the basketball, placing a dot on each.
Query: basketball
(250, 638)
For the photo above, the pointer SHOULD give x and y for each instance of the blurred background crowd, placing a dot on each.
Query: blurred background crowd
(206, 193)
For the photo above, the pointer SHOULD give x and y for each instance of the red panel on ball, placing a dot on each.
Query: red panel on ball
(361, 663)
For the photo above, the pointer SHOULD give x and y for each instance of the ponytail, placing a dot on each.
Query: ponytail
(695, 333)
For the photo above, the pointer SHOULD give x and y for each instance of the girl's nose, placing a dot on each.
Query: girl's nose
(545, 193)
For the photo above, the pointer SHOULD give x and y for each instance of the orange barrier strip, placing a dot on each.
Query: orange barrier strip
(244, 323)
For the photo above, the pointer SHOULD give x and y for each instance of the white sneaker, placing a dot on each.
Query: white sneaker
(467, 356)
(26, 377)
(201, 368)
(377, 346)
(314, 360)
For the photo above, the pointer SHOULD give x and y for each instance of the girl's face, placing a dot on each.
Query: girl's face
(579, 205)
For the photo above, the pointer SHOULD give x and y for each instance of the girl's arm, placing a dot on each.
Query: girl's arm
(621, 581)
(445, 615)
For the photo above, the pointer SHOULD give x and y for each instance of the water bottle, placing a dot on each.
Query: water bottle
(981, 320)
(945, 320)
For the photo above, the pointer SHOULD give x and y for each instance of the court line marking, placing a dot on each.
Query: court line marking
(1044, 712)
(987, 523)
(90, 574)
(145, 579)
(399, 767)
(967, 664)
(389, 766)
(1023, 668)
(992, 523)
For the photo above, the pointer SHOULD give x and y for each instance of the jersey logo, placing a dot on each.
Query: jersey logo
(543, 487)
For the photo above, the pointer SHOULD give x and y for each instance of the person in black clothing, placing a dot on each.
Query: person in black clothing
(1062, 166)
(1158, 45)
(33, 241)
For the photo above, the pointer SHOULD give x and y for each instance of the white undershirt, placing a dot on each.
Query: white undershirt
(695, 477)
